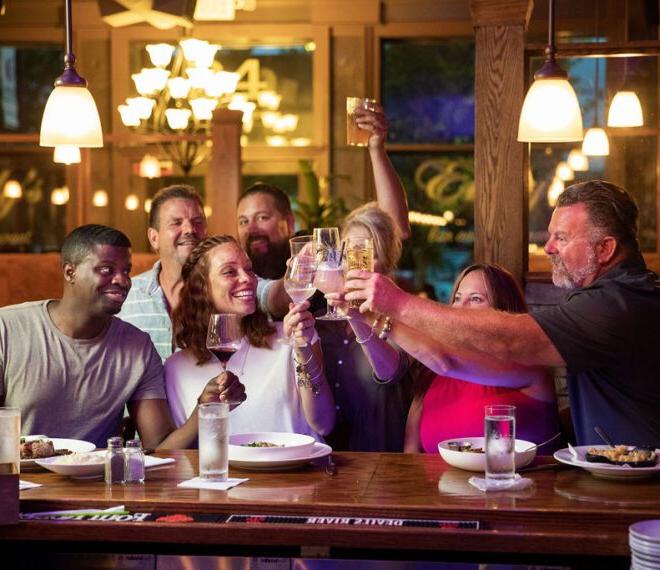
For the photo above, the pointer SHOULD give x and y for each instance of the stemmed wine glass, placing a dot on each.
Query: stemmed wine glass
(329, 276)
(299, 276)
(224, 336)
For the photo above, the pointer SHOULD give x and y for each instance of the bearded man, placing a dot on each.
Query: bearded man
(606, 331)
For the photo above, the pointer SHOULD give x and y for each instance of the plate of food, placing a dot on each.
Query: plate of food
(317, 451)
(619, 462)
(90, 464)
(269, 446)
(42, 447)
(79, 465)
(468, 453)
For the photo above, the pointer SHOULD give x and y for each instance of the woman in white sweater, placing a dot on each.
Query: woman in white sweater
(285, 385)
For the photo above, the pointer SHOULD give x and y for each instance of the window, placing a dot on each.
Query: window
(427, 90)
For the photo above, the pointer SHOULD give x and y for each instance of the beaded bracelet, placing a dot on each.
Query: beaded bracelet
(305, 380)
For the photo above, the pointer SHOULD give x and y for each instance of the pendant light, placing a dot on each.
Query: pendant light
(625, 109)
(595, 141)
(550, 112)
(577, 160)
(70, 116)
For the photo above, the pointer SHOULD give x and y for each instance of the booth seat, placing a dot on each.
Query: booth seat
(34, 276)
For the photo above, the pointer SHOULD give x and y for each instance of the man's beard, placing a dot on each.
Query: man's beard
(270, 264)
(562, 277)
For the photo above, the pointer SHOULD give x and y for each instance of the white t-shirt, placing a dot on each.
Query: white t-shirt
(268, 374)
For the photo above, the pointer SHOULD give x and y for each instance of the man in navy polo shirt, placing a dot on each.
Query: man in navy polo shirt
(606, 331)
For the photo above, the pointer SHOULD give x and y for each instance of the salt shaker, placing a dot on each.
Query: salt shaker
(114, 461)
(134, 472)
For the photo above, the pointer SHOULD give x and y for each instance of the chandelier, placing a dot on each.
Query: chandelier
(177, 96)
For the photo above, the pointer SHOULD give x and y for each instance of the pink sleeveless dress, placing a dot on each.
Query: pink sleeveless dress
(452, 409)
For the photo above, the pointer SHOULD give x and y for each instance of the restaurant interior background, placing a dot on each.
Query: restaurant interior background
(297, 60)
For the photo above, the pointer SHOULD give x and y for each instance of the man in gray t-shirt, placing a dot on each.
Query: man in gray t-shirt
(71, 366)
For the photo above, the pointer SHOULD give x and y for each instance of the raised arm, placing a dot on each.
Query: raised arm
(390, 193)
(505, 336)
(386, 361)
(472, 366)
(315, 394)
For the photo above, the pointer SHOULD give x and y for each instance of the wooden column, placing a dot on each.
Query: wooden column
(223, 181)
(500, 209)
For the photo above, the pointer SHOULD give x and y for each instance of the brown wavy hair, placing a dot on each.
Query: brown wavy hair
(504, 292)
(191, 316)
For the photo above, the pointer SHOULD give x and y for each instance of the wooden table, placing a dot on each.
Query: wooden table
(567, 514)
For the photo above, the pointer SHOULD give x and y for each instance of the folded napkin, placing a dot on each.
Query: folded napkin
(151, 461)
(23, 485)
(197, 483)
(517, 484)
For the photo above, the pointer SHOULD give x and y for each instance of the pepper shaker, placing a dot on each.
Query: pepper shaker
(114, 461)
(134, 472)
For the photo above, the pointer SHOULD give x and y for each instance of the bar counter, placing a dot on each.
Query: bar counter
(566, 514)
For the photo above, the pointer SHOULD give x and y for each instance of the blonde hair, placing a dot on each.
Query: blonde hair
(381, 228)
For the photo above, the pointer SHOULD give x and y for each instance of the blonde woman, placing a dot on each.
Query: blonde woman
(366, 373)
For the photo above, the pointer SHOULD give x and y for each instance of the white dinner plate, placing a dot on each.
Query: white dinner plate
(93, 470)
(604, 470)
(318, 450)
(75, 445)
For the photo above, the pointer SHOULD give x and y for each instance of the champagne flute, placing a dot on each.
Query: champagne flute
(224, 335)
(329, 276)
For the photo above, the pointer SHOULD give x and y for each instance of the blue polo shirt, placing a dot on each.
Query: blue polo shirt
(609, 336)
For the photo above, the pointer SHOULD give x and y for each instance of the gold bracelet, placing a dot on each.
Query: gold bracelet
(311, 355)
(387, 327)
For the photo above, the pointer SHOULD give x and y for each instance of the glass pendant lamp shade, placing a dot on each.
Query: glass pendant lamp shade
(554, 191)
(550, 112)
(149, 167)
(160, 54)
(564, 172)
(596, 143)
(70, 116)
(66, 154)
(625, 110)
(577, 160)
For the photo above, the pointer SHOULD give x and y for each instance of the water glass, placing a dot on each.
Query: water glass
(213, 441)
(10, 436)
(500, 443)
(355, 136)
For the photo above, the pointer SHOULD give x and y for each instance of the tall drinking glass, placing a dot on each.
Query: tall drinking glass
(355, 136)
(224, 336)
(500, 436)
(359, 255)
(213, 423)
(302, 244)
(10, 436)
(329, 277)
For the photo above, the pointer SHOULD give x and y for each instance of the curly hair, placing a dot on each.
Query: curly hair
(191, 316)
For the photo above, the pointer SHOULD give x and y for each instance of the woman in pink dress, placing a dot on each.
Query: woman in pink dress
(449, 401)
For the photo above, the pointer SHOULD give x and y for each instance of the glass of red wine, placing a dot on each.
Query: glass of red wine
(224, 336)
